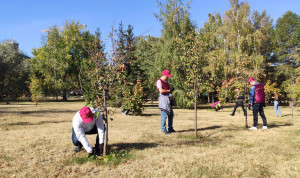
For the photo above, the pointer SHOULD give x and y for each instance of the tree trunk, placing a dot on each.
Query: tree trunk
(195, 108)
(208, 100)
(293, 98)
(246, 117)
(293, 109)
(105, 136)
(64, 96)
(152, 98)
(106, 125)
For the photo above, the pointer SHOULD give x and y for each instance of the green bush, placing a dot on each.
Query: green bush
(133, 100)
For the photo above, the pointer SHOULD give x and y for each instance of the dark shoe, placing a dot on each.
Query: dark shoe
(231, 114)
(77, 149)
(171, 130)
(99, 151)
(166, 132)
(90, 155)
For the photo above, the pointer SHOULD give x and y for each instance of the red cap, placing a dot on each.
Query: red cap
(166, 73)
(86, 115)
(251, 79)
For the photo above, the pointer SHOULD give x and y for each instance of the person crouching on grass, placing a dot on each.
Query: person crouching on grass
(216, 105)
(165, 102)
(85, 123)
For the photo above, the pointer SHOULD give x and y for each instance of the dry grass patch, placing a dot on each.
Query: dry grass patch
(36, 142)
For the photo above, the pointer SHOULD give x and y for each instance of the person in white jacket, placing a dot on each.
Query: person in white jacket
(85, 123)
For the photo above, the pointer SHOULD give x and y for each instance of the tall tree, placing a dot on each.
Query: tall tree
(193, 61)
(14, 71)
(287, 30)
(57, 62)
(51, 63)
(176, 23)
(237, 34)
(145, 52)
(131, 71)
(263, 34)
(215, 54)
(100, 76)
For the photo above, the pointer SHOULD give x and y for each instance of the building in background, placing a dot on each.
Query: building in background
(11, 42)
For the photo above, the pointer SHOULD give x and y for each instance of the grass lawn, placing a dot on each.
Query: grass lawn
(36, 142)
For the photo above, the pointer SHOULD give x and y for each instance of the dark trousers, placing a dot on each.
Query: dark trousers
(237, 104)
(258, 108)
(76, 142)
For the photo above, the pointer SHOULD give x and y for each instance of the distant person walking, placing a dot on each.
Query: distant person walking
(165, 102)
(257, 100)
(276, 104)
(239, 102)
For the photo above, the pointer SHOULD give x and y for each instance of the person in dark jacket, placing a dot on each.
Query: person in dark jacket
(257, 101)
(239, 102)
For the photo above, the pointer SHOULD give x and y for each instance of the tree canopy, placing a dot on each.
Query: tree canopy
(227, 50)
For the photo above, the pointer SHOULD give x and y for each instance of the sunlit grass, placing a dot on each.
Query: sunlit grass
(112, 158)
(36, 142)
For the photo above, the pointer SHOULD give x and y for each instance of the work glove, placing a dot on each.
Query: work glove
(91, 154)
(250, 106)
(172, 89)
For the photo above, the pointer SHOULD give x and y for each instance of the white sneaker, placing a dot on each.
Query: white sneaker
(253, 128)
(264, 128)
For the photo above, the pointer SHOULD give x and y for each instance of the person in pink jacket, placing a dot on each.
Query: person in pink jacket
(257, 102)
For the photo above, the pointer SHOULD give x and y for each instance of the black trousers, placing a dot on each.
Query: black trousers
(237, 104)
(259, 108)
(76, 142)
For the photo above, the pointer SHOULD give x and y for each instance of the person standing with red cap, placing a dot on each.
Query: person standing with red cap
(165, 102)
(86, 123)
(257, 101)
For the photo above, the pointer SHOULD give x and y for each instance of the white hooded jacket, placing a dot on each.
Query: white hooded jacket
(80, 128)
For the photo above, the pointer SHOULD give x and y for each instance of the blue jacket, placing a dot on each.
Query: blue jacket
(252, 94)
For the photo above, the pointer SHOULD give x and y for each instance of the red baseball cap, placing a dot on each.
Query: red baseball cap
(251, 79)
(86, 115)
(166, 73)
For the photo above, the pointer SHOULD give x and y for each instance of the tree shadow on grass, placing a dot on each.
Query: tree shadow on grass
(37, 123)
(130, 146)
(279, 125)
(286, 115)
(151, 114)
(37, 112)
(200, 129)
(150, 105)
(209, 107)
(191, 140)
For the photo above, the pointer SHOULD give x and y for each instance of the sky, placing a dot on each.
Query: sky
(24, 20)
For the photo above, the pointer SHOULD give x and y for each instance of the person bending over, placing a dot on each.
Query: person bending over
(86, 122)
